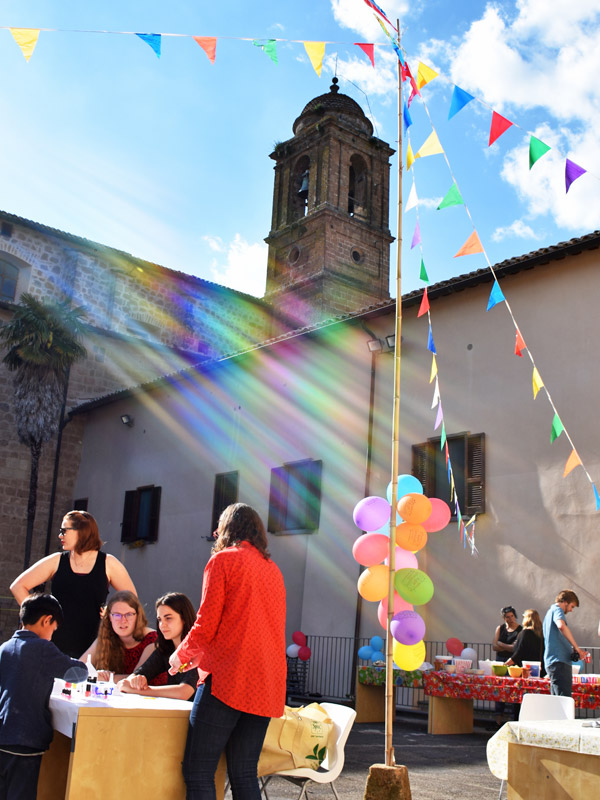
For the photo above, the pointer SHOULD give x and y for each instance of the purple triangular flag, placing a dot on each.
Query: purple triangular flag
(439, 418)
(416, 236)
(572, 172)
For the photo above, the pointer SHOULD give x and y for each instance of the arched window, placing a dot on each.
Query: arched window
(357, 187)
(299, 188)
(8, 280)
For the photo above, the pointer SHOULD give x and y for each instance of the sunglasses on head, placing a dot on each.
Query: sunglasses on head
(508, 610)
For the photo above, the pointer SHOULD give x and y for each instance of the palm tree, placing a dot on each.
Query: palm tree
(43, 342)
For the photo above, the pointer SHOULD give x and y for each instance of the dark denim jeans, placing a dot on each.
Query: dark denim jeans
(18, 776)
(216, 727)
(561, 678)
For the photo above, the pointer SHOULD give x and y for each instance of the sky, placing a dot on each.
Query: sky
(168, 158)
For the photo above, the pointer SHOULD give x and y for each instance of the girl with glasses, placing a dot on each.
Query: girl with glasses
(81, 576)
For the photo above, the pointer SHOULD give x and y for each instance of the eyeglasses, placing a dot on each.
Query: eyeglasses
(129, 615)
(62, 531)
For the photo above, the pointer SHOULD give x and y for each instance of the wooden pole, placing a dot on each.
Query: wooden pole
(390, 700)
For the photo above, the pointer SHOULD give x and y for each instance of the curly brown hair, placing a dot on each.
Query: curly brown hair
(88, 536)
(241, 523)
(109, 649)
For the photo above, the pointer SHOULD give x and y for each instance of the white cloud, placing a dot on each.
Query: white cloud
(215, 243)
(244, 268)
(518, 230)
(357, 16)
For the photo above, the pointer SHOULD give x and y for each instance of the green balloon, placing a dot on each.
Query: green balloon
(414, 586)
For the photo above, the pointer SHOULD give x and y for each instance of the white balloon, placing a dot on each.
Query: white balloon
(293, 650)
(469, 653)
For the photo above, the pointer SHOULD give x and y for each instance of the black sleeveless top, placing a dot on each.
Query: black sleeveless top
(81, 598)
(507, 637)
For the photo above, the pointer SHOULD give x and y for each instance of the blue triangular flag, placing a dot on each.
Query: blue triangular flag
(597, 496)
(460, 98)
(496, 296)
(152, 39)
(406, 117)
(430, 344)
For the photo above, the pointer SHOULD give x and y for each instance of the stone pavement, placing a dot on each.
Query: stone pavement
(439, 767)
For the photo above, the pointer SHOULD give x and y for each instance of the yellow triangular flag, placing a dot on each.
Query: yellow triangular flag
(424, 75)
(26, 38)
(572, 462)
(451, 483)
(433, 369)
(410, 159)
(537, 382)
(430, 147)
(316, 51)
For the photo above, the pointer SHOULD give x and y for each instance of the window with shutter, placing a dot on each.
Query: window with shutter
(295, 497)
(141, 513)
(225, 493)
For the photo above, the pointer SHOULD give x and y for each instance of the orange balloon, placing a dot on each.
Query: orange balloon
(373, 583)
(411, 537)
(415, 508)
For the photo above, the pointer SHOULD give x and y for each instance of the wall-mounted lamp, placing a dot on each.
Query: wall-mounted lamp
(127, 419)
(391, 341)
(375, 345)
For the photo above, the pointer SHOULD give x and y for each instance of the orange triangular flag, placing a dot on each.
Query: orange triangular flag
(572, 461)
(471, 246)
(315, 51)
(26, 38)
(209, 45)
(499, 125)
(424, 304)
(519, 344)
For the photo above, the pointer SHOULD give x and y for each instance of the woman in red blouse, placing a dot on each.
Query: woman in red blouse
(238, 645)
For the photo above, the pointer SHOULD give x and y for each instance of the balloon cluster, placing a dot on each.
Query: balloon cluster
(456, 648)
(372, 651)
(299, 648)
(416, 517)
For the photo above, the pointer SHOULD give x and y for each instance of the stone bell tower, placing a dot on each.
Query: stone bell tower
(329, 242)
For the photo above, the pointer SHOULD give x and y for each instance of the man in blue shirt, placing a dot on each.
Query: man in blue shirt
(559, 643)
(29, 662)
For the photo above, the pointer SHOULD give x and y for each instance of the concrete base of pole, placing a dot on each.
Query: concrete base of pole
(387, 783)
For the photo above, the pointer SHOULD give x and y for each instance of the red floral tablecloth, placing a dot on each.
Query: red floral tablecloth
(375, 676)
(507, 690)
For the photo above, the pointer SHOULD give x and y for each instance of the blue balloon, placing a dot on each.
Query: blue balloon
(378, 656)
(365, 653)
(376, 643)
(407, 484)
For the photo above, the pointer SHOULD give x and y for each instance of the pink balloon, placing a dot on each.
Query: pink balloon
(299, 638)
(371, 513)
(407, 627)
(455, 646)
(304, 653)
(404, 558)
(439, 517)
(371, 548)
(399, 605)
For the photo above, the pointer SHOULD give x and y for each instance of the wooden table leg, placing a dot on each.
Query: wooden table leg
(450, 715)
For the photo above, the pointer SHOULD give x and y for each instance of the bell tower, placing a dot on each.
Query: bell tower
(330, 241)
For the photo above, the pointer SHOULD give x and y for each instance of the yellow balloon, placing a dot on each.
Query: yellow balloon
(408, 656)
(373, 583)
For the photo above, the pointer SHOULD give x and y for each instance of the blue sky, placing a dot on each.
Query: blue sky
(168, 158)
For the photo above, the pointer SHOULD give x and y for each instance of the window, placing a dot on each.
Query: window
(8, 280)
(140, 515)
(81, 504)
(357, 190)
(300, 180)
(467, 456)
(225, 493)
(295, 498)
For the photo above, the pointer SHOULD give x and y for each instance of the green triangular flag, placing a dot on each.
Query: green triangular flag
(269, 47)
(452, 198)
(557, 428)
(443, 437)
(423, 274)
(536, 150)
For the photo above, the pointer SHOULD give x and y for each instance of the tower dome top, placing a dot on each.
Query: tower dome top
(335, 103)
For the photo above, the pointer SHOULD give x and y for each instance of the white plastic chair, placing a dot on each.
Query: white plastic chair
(343, 719)
(536, 707)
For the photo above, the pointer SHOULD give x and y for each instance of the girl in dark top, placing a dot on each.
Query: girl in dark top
(175, 615)
(503, 644)
(81, 576)
(530, 641)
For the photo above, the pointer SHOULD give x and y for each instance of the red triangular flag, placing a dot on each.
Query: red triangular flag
(209, 45)
(519, 344)
(499, 125)
(368, 50)
(424, 304)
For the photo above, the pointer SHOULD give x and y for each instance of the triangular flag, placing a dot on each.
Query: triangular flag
(368, 50)
(537, 149)
(597, 496)
(537, 382)
(572, 172)
(424, 307)
(430, 147)
(446, 451)
(430, 343)
(406, 118)
(26, 38)
(412, 198)
(572, 461)
(425, 75)
(209, 45)
(443, 441)
(434, 369)
(557, 428)
(439, 417)
(269, 47)
(436, 394)
(416, 236)
(423, 273)
(315, 51)
(410, 159)
(519, 344)
(452, 198)
(471, 246)
(460, 98)
(496, 296)
(498, 126)
(153, 40)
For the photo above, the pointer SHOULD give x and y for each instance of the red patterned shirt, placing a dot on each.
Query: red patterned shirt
(239, 633)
